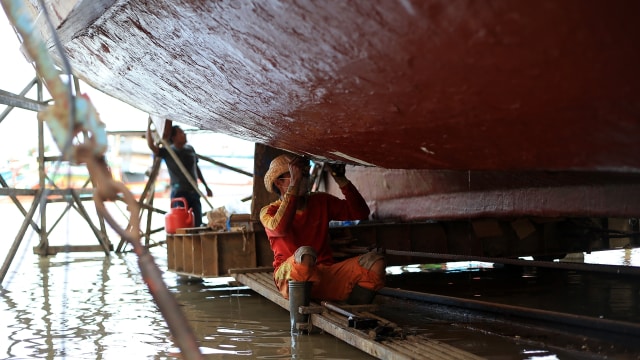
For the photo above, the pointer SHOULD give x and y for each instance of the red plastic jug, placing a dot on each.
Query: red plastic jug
(178, 217)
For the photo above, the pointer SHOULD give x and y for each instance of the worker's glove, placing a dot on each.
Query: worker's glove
(338, 174)
(304, 250)
(337, 170)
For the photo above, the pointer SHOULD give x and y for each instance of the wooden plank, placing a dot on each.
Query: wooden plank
(414, 350)
(413, 347)
(269, 293)
(53, 250)
(210, 255)
(236, 250)
(268, 282)
(197, 255)
(171, 252)
(421, 347)
(264, 269)
(194, 230)
(188, 254)
(179, 253)
(355, 338)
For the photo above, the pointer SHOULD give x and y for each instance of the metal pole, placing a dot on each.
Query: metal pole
(511, 310)
(17, 203)
(147, 232)
(225, 165)
(603, 268)
(83, 212)
(146, 202)
(44, 236)
(148, 195)
(16, 243)
(102, 236)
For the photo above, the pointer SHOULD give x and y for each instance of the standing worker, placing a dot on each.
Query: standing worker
(180, 185)
(298, 229)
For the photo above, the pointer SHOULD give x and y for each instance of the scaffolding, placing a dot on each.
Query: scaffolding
(78, 199)
(47, 191)
(80, 136)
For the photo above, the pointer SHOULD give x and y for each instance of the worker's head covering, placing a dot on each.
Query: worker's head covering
(278, 166)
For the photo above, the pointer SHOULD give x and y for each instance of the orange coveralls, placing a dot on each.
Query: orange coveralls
(289, 229)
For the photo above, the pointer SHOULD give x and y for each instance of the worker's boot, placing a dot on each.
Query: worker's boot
(361, 296)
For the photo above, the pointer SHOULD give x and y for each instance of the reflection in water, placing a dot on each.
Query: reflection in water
(88, 306)
(608, 296)
(626, 259)
(78, 307)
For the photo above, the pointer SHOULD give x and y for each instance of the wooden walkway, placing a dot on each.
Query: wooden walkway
(393, 345)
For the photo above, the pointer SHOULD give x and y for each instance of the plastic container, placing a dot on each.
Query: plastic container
(178, 217)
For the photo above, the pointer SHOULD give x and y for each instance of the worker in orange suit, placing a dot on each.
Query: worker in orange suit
(297, 225)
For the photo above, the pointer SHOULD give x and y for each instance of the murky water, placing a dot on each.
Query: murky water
(90, 306)
(603, 296)
(600, 295)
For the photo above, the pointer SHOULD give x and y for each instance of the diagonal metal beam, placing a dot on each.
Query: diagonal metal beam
(16, 243)
(22, 93)
(221, 164)
(102, 237)
(22, 102)
(15, 200)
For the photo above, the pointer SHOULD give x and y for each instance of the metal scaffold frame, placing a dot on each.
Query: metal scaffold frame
(80, 136)
(74, 197)
(49, 192)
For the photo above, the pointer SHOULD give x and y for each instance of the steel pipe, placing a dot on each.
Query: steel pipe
(592, 323)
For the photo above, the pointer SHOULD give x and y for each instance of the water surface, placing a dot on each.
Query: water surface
(93, 306)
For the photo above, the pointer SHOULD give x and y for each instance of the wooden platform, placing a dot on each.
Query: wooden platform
(394, 346)
(202, 253)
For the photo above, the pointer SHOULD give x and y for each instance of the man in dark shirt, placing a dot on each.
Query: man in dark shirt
(180, 185)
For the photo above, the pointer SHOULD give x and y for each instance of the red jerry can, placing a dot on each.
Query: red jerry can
(178, 217)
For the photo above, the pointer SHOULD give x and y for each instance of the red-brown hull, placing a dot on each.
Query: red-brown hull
(498, 85)
(500, 108)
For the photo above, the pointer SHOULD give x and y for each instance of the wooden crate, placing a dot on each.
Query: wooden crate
(210, 254)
